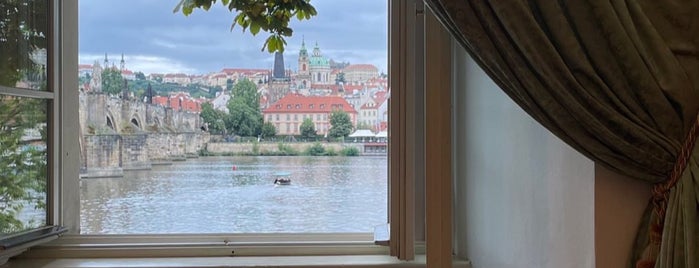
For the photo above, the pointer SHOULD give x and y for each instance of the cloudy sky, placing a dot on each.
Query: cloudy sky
(156, 40)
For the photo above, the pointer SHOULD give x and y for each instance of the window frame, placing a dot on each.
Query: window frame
(403, 146)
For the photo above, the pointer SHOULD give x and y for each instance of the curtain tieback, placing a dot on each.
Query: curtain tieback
(661, 190)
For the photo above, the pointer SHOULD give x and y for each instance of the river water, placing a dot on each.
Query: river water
(205, 195)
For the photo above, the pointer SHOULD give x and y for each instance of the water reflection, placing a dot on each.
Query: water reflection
(327, 194)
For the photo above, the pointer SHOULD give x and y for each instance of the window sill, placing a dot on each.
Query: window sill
(220, 262)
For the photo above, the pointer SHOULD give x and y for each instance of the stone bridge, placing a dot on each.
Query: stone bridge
(118, 135)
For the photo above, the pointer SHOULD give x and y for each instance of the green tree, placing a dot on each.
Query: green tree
(340, 124)
(340, 78)
(270, 16)
(308, 129)
(23, 171)
(112, 81)
(23, 30)
(215, 119)
(140, 76)
(268, 130)
(243, 119)
(247, 90)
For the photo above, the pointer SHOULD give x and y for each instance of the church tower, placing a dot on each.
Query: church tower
(106, 61)
(304, 74)
(122, 64)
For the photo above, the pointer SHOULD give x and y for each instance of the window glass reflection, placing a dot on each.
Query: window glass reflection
(23, 43)
(23, 156)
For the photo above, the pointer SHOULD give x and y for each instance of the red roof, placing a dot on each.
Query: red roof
(297, 103)
(85, 66)
(361, 67)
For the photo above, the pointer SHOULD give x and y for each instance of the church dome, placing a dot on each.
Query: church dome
(317, 59)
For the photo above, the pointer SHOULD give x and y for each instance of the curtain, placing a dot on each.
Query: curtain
(616, 80)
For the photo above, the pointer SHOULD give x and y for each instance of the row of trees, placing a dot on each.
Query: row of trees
(244, 117)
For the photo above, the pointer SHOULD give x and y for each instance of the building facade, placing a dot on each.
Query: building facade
(288, 113)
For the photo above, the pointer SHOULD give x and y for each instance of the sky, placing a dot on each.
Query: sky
(153, 39)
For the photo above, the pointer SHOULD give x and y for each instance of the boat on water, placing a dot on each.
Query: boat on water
(282, 178)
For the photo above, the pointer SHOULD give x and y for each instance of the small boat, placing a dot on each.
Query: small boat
(282, 178)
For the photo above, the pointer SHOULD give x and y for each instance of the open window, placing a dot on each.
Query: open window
(403, 197)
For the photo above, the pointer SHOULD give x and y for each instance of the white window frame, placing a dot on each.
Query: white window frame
(407, 171)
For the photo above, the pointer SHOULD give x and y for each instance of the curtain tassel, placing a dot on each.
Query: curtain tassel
(661, 192)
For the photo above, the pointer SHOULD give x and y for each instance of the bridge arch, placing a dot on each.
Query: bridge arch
(111, 123)
(136, 120)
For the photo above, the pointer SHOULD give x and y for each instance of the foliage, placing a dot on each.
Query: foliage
(285, 149)
(24, 170)
(308, 129)
(140, 76)
(247, 90)
(268, 130)
(270, 16)
(243, 119)
(316, 149)
(349, 151)
(19, 37)
(330, 151)
(340, 78)
(340, 124)
(112, 81)
(215, 119)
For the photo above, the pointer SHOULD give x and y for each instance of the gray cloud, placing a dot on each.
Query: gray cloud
(354, 31)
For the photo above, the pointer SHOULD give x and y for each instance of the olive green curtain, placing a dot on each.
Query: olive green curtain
(617, 80)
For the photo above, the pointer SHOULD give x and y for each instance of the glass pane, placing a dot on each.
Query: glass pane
(187, 127)
(23, 172)
(23, 43)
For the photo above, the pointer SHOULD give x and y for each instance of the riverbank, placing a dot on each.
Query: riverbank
(281, 149)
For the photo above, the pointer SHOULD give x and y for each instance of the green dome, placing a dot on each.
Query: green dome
(317, 60)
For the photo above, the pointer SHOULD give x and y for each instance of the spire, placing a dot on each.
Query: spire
(122, 63)
(278, 71)
(316, 50)
(303, 53)
(106, 61)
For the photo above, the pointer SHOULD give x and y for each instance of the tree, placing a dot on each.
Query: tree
(215, 119)
(24, 171)
(340, 124)
(112, 81)
(140, 76)
(268, 130)
(23, 31)
(270, 16)
(247, 90)
(308, 129)
(243, 119)
(340, 78)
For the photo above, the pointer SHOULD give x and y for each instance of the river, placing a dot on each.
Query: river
(205, 195)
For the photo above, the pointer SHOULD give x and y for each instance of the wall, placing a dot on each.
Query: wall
(523, 198)
(234, 148)
(619, 205)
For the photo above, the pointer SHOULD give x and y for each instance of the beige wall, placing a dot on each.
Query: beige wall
(523, 197)
(619, 205)
(526, 199)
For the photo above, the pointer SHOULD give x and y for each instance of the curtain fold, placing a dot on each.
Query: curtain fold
(617, 80)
